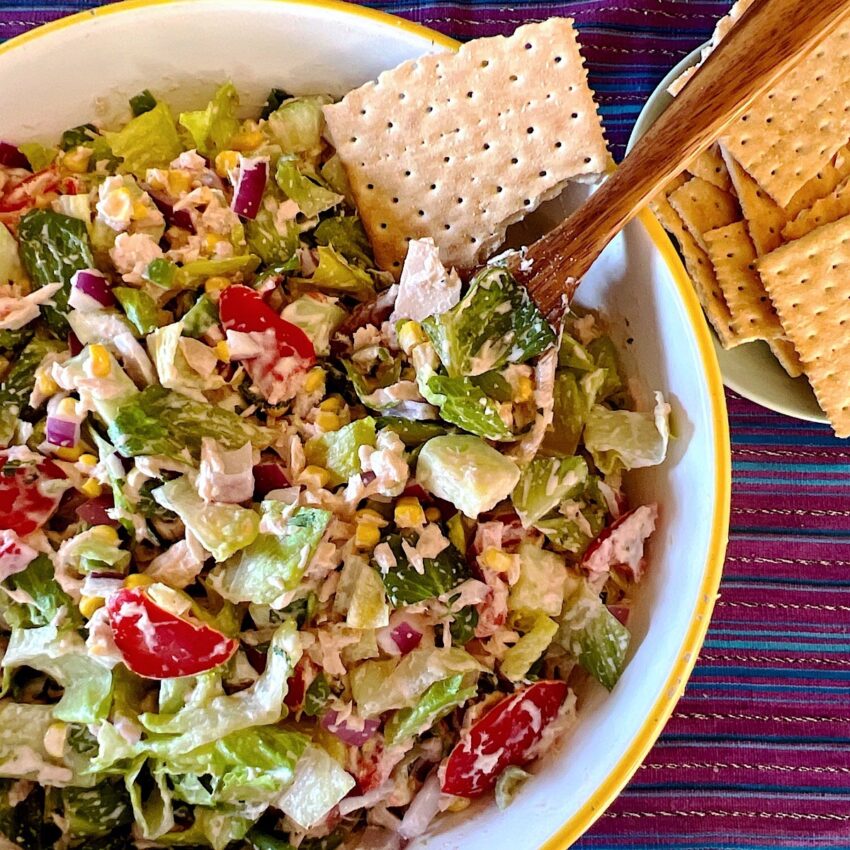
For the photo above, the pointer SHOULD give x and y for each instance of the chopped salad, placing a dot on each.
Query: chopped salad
(291, 554)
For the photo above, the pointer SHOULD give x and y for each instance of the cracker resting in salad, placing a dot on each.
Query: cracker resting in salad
(290, 554)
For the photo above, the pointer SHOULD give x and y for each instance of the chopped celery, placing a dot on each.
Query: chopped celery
(518, 659)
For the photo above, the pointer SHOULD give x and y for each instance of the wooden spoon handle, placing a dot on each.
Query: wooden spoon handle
(759, 49)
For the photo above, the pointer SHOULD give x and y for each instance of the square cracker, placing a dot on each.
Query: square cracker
(809, 282)
(825, 181)
(765, 218)
(733, 256)
(793, 130)
(458, 146)
(784, 351)
(703, 207)
(709, 166)
(699, 269)
(823, 211)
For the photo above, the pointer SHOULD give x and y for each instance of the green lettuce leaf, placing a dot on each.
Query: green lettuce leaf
(11, 270)
(604, 353)
(212, 128)
(410, 431)
(148, 141)
(545, 483)
(406, 585)
(574, 397)
(464, 404)
(39, 156)
(312, 198)
(142, 102)
(365, 603)
(267, 242)
(345, 234)
(438, 701)
(317, 696)
(97, 810)
(585, 517)
(22, 751)
(62, 656)
(173, 368)
(221, 528)
(200, 317)
(623, 439)
(318, 316)
(335, 275)
(573, 355)
(38, 581)
(540, 586)
(298, 124)
(158, 421)
(90, 552)
(273, 563)
(518, 659)
(494, 324)
(52, 247)
(139, 308)
(338, 451)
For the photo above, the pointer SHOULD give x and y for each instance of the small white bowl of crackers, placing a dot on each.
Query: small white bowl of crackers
(762, 221)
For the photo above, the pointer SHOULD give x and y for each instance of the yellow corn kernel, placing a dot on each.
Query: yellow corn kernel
(88, 460)
(225, 162)
(318, 473)
(179, 182)
(409, 513)
(497, 560)
(77, 160)
(247, 141)
(410, 334)
(92, 488)
(524, 390)
(328, 421)
(90, 604)
(315, 380)
(72, 455)
(222, 351)
(100, 365)
(213, 239)
(370, 517)
(458, 804)
(216, 284)
(432, 514)
(366, 535)
(106, 533)
(138, 580)
(333, 403)
(67, 407)
(140, 211)
(45, 384)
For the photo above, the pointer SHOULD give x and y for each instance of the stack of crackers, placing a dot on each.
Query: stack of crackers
(763, 222)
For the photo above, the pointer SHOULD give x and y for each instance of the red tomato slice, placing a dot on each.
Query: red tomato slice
(24, 194)
(242, 309)
(158, 644)
(504, 736)
(27, 500)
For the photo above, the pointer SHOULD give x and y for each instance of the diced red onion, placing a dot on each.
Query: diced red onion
(64, 433)
(175, 218)
(267, 477)
(90, 290)
(403, 634)
(74, 344)
(367, 477)
(253, 176)
(94, 511)
(347, 731)
(406, 637)
(11, 157)
(423, 809)
(621, 612)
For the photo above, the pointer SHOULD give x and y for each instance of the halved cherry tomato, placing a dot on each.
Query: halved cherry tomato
(159, 644)
(505, 735)
(242, 309)
(27, 499)
(25, 193)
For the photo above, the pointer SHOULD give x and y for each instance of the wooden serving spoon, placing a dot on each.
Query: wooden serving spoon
(760, 48)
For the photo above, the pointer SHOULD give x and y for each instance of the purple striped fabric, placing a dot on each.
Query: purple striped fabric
(757, 753)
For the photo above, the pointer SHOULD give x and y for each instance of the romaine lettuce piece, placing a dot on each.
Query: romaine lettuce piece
(98, 326)
(335, 275)
(465, 471)
(406, 585)
(221, 528)
(147, 141)
(318, 316)
(604, 353)
(438, 701)
(578, 520)
(173, 368)
(22, 751)
(320, 783)
(62, 655)
(158, 421)
(274, 563)
(573, 355)
(139, 307)
(542, 578)
(72, 138)
(367, 604)
(92, 552)
(215, 715)
(508, 784)
(595, 636)
(378, 686)
(623, 439)
(267, 242)
(212, 128)
(194, 273)
(200, 317)
(545, 483)
(52, 247)
(97, 810)
(19, 382)
(517, 660)
(312, 198)
(385, 373)
(297, 126)
(338, 451)
(410, 431)
(142, 102)
(573, 398)
(494, 324)
(75, 206)
(466, 405)
(251, 765)
(346, 235)
(317, 696)
(39, 156)
(333, 172)
(38, 582)
(11, 270)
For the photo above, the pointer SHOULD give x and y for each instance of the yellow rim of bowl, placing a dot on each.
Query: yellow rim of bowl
(676, 681)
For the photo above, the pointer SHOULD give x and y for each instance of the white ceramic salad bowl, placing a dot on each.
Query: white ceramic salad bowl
(63, 74)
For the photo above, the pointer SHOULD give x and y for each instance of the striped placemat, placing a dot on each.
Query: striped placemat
(757, 754)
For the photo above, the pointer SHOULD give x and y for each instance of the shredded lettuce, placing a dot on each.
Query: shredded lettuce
(346, 235)
(201, 317)
(23, 754)
(38, 582)
(574, 396)
(10, 261)
(466, 405)
(267, 242)
(91, 552)
(366, 598)
(39, 156)
(97, 810)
